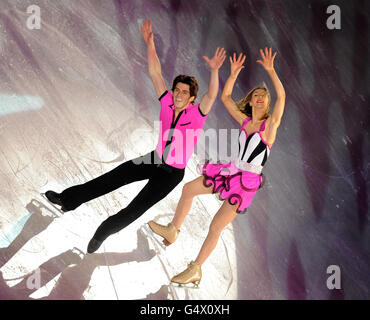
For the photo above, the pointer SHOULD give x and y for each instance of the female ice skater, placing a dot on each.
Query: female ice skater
(164, 167)
(239, 180)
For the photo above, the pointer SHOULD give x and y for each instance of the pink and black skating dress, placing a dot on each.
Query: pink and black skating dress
(239, 180)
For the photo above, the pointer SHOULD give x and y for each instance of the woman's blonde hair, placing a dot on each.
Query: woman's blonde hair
(244, 105)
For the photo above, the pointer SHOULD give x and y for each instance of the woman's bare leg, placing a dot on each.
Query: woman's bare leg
(223, 217)
(189, 191)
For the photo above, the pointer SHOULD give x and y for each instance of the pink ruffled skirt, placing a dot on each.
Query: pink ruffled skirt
(232, 183)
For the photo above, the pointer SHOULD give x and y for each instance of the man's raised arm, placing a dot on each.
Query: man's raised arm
(214, 65)
(154, 66)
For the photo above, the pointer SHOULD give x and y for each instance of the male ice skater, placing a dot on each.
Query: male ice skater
(181, 123)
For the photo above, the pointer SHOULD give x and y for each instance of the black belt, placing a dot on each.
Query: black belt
(169, 168)
(160, 163)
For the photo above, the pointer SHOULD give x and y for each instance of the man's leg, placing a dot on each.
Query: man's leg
(158, 187)
(127, 172)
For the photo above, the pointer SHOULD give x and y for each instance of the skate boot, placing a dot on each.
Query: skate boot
(193, 274)
(54, 197)
(169, 233)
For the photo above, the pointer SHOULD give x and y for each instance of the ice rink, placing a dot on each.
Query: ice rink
(76, 100)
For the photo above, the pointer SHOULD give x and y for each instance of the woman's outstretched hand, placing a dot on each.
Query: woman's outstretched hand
(218, 59)
(236, 65)
(267, 59)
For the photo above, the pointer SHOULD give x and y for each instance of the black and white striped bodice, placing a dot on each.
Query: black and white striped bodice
(252, 148)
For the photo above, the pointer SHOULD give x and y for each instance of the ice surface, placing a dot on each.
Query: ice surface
(76, 100)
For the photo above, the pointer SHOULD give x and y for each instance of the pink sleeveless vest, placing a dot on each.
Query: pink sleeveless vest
(177, 139)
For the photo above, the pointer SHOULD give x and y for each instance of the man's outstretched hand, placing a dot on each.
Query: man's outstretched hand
(218, 59)
(146, 31)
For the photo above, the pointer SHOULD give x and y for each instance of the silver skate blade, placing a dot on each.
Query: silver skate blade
(52, 204)
(146, 229)
(38, 207)
(184, 286)
(79, 252)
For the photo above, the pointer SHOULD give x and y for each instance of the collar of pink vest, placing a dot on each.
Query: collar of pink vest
(188, 108)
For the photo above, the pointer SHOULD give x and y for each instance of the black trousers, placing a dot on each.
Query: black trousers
(162, 180)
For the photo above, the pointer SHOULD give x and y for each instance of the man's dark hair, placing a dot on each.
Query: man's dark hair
(191, 81)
